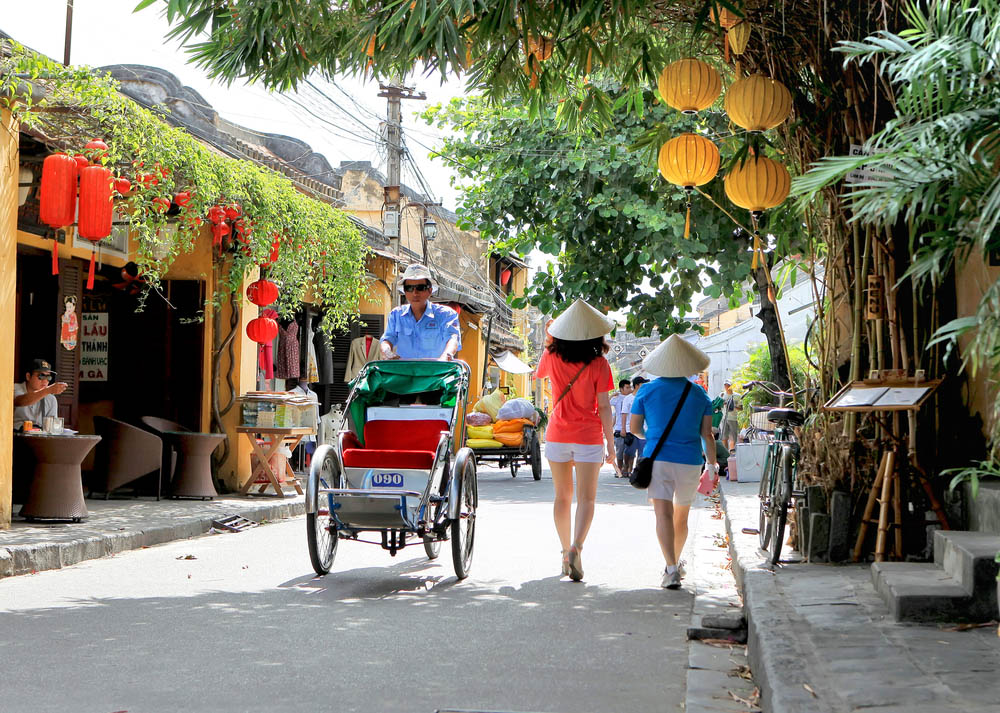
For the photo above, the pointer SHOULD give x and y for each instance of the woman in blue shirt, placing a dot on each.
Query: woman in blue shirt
(678, 464)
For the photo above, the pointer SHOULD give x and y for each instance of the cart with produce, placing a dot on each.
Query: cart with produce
(506, 432)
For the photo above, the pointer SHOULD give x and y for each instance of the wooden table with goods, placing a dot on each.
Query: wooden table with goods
(265, 442)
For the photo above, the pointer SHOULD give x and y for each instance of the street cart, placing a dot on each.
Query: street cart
(528, 453)
(399, 471)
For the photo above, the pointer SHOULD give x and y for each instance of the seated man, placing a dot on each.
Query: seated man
(35, 397)
(421, 329)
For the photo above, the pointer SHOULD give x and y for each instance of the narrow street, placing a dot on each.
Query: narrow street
(238, 622)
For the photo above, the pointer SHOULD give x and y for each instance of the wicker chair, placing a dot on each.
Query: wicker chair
(124, 455)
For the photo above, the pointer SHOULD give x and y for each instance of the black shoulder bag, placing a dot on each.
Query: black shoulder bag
(642, 474)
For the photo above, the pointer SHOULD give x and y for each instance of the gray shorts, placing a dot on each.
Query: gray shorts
(730, 430)
(636, 448)
(676, 482)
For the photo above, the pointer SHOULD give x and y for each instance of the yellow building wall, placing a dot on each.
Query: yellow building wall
(9, 162)
(473, 351)
(971, 283)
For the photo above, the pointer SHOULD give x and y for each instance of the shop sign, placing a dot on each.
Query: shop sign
(94, 347)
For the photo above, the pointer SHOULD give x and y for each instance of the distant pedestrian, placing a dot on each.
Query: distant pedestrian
(579, 433)
(624, 389)
(730, 426)
(678, 463)
(633, 444)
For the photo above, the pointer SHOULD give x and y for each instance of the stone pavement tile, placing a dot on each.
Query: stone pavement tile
(878, 690)
(715, 658)
(710, 690)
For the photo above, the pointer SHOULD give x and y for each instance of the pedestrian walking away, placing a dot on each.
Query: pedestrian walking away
(624, 389)
(678, 463)
(579, 434)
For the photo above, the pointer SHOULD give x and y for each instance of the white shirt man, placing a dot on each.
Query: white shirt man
(35, 397)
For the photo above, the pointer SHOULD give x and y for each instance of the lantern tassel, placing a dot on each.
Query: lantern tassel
(687, 222)
(55, 257)
(756, 251)
(90, 272)
(725, 44)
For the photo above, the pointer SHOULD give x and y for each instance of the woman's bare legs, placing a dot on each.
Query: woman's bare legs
(586, 496)
(680, 519)
(562, 479)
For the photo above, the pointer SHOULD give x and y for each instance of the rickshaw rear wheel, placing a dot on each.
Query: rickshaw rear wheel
(432, 548)
(463, 527)
(321, 533)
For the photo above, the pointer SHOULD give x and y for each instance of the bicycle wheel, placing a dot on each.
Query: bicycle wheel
(432, 548)
(463, 528)
(782, 496)
(764, 493)
(321, 532)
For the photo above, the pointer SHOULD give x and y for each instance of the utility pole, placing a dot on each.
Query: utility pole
(394, 94)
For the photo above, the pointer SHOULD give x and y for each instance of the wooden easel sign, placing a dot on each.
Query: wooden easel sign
(882, 395)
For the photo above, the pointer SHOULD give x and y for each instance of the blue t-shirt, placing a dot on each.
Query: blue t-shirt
(656, 402)
(424, 339)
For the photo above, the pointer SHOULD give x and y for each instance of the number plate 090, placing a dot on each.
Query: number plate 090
(387, 480)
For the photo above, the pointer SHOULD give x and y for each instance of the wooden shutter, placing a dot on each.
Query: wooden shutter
(68, 360)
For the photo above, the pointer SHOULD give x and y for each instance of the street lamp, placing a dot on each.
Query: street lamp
(430, 228)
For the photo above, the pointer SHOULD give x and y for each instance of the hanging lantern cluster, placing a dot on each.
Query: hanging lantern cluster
(227, 221)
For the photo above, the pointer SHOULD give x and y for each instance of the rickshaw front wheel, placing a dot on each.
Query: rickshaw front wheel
(463, 527)
(432, 548)
(321, 533)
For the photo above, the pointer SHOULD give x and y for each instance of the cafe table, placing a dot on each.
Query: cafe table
(265, 442)
(193, 470)
(57, 486)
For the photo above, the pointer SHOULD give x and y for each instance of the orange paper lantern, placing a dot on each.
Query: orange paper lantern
(689, 85)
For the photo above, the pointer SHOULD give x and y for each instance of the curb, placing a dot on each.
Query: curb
(775, 654)
(25, 559)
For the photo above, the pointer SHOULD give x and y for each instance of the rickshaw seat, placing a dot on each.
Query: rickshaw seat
(395, 444)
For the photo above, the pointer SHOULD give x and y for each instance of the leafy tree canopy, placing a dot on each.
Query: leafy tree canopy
(501, 46)
(600, 208)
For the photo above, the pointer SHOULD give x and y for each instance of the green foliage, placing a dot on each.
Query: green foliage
(280, 43)
(972, 474)
(758, 368)
(597, 205)
(936, 160)
(322, 253)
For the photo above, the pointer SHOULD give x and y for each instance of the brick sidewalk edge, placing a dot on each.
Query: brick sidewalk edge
(25, 559)
(776, 657)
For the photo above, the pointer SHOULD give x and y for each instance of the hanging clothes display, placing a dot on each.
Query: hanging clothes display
(286, 360)
(311, 362)
(324, 356)
(363, 350)
(266, 352)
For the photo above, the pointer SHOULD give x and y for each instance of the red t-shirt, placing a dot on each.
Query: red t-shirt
(575, 419)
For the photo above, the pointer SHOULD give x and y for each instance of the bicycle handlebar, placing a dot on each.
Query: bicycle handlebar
(773, 389)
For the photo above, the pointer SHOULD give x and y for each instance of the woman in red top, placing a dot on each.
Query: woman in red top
(579, 432)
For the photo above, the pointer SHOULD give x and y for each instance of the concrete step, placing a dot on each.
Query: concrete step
(969, 557)
(921, 592)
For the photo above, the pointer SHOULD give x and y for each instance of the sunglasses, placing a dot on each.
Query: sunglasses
(416, 288)
(44, 377)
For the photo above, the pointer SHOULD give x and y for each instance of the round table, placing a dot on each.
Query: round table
(57, 486)
(193, 471)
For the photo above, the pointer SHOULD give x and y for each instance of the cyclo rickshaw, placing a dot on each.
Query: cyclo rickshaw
(399, 468)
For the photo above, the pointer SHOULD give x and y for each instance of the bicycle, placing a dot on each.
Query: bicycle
(778, 482)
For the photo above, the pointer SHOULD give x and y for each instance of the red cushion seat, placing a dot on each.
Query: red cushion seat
(395, 444)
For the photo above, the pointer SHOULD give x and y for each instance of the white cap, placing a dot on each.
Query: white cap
(416, 271)
(676, 357)
(580, 322)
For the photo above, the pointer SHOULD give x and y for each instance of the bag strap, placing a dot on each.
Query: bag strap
(569, 386)
(666, 431)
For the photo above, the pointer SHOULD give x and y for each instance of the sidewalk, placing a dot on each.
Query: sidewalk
(821, 639)
(117, 525)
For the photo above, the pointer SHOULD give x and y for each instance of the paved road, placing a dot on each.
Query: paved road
(245, 626)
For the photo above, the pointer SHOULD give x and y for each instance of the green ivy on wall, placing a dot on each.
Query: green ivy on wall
(322, 253)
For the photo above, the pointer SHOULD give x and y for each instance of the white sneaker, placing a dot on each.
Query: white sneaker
(671, 580)
(680, 568)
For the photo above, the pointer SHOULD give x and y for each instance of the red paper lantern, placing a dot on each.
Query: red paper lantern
(273, 257)
(161, 204)
(57, 202)
(262, 330)
(96, 206)
(217, 214)
(182, 198)
(505, 276)
(233, 211)
(97, 149)
(81, 161)
(123, 186)
(262, 292)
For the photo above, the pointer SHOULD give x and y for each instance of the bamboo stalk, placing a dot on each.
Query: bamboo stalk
(883, 512)
(869, 508)
(897, 505)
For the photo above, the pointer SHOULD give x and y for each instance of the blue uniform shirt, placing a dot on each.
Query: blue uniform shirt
(423, 339)
(656, 402)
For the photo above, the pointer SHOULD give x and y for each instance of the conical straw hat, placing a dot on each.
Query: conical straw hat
(579, 322)
(676, 357)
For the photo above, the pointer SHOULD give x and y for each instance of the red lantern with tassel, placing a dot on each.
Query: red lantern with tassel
(97, 150)
(217, 214)
(161, 204)
(219, 232)
(262, 330)
(123, 187)
(233, 211)
(95, 210)
(262, 292)
(182, 198)
(275, 249)
(57, 203)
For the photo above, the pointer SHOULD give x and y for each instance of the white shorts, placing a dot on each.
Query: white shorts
(578, 452)
(677, 482)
